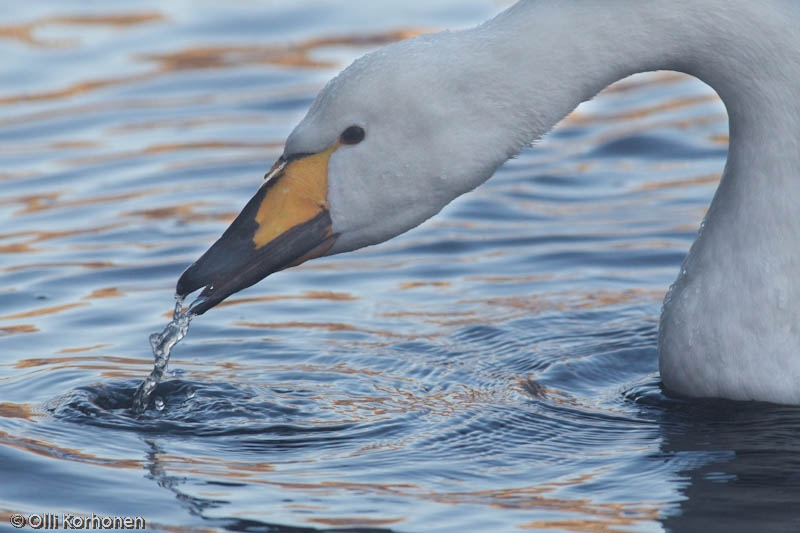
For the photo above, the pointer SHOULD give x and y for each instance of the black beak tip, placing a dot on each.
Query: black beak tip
(187, 283)
(234, 262)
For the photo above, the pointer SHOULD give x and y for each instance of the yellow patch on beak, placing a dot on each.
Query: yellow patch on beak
(298, 193)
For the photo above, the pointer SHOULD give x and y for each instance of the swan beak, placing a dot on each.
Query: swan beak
(286, 223)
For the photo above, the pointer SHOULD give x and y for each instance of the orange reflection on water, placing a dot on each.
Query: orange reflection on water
(19, 328)
(25, 33)
(82, 264)
(72, 90)
(294, 55)
(185, 213)
(106, 292)
(355, 521)
(83, 348)
(16, 248)
(573, 300)
(635, 83)
(308, 295)
(42, 311)
(42, 202)
(94, 362)
(53, 451)
(219, 56)
(17, 410)
(165, 148)
(417, 284)
(16, 175)
(614, 517)
(34, 237)
(705, 179)
(214, 466)
(651, 110)
(592, 516)
(329, 326)
(440, 318)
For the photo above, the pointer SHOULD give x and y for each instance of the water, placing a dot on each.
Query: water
(492, 370)
(162, 344)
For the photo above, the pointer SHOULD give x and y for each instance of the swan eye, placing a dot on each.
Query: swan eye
(352, 135)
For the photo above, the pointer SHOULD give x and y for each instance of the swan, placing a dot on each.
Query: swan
(408, 128)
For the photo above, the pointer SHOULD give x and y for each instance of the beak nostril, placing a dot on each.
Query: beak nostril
(276, 169)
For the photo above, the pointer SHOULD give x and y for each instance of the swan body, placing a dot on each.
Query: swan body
(406, 129)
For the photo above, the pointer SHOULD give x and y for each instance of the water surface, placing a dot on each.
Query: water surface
(492, 370)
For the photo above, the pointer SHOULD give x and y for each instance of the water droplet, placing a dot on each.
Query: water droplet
(162, 344)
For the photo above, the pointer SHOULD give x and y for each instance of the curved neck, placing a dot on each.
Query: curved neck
(566, 51)
(729, 323)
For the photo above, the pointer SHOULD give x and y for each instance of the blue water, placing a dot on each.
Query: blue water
(492, 370)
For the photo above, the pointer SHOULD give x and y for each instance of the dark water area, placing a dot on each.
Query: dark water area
(493, 370)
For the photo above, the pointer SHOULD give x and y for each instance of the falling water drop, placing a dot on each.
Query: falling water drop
(162, 344)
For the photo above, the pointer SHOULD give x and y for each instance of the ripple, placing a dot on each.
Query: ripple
(649, 147)
(190, 408)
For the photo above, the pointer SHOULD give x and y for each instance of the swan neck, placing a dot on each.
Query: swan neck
(728, 327)
(568, 51)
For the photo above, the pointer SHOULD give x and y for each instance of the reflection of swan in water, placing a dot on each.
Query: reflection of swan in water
(408, 128)
(734, 465)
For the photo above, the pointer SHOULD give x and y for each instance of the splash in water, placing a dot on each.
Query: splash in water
(162, 344)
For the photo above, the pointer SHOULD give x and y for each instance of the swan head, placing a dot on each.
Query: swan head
(386, 145)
